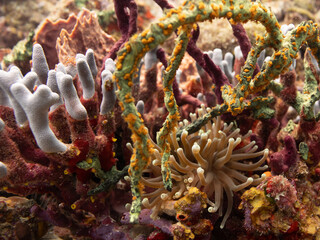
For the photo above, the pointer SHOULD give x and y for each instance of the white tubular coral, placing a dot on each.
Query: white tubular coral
(53, 85)
(7, 79)
(150, 59)
(72, 102)
(29, 80)
(215, 159)
(4, 98)
(2, 124)
(110, 65)
(3, 170)
(91, 62)
(85, 76)
(108, 88)
(36, 107)
(140, 107)
(39, 63)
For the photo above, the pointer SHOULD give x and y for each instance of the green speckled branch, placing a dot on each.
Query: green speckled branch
(305, 100)
(197, 11)
(170, 102)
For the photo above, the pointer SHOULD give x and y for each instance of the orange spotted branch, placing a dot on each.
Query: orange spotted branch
(170, 102)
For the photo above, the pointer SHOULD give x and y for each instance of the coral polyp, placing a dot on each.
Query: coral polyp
(215, 159)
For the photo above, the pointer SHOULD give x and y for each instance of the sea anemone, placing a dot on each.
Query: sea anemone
(215, 160)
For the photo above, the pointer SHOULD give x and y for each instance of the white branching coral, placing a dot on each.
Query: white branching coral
(215, 159)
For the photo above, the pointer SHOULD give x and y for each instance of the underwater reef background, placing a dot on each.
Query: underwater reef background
(157, 119)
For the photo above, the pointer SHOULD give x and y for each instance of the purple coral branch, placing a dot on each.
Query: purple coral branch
(133, 18)
(245, 45)
(216, 74)
(218, 77)
(127, 23)
(163, 4)
(161, 55)
(195, 52)
(264, 136)
(240, 33)
(281, 161)
(181, 99)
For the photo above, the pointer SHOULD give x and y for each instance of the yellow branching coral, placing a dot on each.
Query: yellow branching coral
(214, 160)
